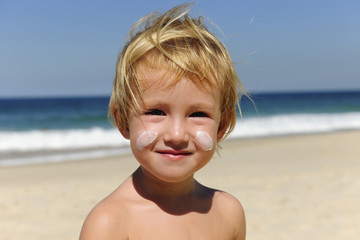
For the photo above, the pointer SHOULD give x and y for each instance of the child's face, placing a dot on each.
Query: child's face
(177, 131)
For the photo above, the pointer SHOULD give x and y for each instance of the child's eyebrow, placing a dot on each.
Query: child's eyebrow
(165, 104)
(203, 105)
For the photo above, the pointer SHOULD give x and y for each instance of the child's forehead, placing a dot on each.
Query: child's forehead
(164, 77)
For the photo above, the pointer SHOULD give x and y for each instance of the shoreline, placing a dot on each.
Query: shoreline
(292, 187)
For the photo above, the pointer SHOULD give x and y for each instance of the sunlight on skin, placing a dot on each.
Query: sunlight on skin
(204, 140)
(147, 137)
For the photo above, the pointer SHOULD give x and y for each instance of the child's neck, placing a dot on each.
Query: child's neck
(151, 187)
(175, 198)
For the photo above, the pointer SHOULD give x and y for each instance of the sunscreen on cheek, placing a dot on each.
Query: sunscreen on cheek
(145, 138)
(204, 140)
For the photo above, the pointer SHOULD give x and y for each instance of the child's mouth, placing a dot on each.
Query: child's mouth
(174, 155)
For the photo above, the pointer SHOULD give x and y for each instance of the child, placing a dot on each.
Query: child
(174, 98)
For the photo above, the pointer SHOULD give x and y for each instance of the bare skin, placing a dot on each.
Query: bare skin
(162, 200)
(174, 212)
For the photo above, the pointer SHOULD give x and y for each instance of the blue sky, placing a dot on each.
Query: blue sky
(63, 48)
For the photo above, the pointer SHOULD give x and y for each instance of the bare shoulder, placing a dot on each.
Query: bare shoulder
(107, 220)
(233, 211)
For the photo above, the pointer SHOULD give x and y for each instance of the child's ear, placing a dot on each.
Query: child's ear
(221, 132)
(125, 133)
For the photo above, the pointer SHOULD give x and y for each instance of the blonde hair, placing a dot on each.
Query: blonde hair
(186, 48)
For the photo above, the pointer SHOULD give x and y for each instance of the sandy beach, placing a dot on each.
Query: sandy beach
(292, 187)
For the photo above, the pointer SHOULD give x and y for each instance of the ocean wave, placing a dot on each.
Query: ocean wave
(44, 140)
(45, 146)
(287, 124)
(35, 146)
(47, 140)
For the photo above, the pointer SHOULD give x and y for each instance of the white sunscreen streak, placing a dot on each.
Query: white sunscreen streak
(145, 138)
(204, 140)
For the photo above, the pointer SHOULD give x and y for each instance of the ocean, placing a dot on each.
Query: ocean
(38, 130)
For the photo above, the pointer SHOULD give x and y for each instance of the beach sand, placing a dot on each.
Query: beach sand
(292, 187)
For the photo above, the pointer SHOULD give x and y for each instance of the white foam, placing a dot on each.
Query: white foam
(37, 140)
(61, 145)
(295, 124)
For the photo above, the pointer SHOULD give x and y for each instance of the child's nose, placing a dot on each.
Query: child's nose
(176, 132)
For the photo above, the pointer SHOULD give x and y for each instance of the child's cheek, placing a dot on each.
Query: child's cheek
(145, 138)
(204, 140)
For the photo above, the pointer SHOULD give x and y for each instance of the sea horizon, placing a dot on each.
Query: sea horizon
(251, 92)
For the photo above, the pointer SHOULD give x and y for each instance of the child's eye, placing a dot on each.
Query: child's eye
(198, 114)
(155, 112)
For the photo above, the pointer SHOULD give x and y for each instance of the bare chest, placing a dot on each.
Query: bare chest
(189, 226)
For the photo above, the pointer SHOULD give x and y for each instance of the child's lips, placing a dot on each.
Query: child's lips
(174, 154)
